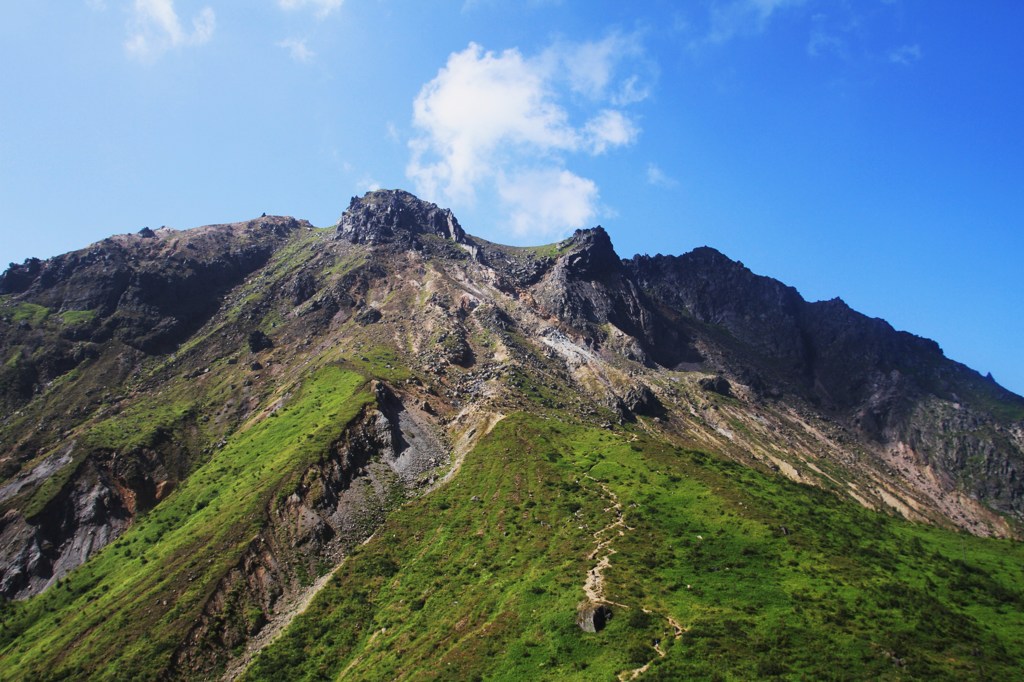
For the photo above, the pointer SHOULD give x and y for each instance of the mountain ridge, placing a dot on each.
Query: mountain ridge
(132, 408)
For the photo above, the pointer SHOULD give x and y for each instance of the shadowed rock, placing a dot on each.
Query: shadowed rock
(592, 617)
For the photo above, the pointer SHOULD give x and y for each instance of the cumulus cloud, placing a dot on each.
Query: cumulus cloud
(154, 27)
(501, 122)
(590, 67)
(905, 54)
(479, 106)
(322, 8)
(297, 49)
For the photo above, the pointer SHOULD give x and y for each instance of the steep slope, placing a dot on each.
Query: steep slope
(212, 458)
(919, 413)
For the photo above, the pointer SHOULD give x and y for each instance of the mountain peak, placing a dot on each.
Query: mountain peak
(387, 215)
(591, 253)
(337, 381)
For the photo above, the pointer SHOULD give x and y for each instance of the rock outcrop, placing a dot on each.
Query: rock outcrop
(395, 215)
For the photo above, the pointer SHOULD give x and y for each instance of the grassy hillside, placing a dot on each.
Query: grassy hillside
(764, 577)
(123, 613)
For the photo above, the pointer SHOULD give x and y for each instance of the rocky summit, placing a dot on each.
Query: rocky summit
(388, 449)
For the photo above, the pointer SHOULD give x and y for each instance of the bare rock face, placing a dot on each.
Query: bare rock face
(640, 400)
(395, 215)
(340, 502)
(102, 496)
(36, 553)
(856, 369)
(149, 290)
(586, 288)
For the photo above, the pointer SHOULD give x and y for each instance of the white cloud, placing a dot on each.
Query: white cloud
(96, 5)
(630, 92)
(610, 128)
(658, 178)
(547, 203)
(154, 27)
(297, 49)
(479, 103)
(498, 121)
(322, 8)
(905, 54)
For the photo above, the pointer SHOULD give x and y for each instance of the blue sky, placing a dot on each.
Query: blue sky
(868, 149)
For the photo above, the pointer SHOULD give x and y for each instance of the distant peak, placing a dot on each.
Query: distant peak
(388, 214)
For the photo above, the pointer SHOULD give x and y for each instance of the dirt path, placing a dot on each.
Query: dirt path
(677, 632)
(594, 584)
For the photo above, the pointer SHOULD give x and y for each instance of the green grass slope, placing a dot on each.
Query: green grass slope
(733, 574)
(122, 614)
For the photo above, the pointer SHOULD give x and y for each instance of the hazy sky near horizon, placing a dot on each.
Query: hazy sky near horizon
(869, 149)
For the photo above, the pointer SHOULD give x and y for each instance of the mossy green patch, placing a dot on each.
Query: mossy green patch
(347, 264)
(141, 424)
(548, 250)
(73, 317)
(31, 313)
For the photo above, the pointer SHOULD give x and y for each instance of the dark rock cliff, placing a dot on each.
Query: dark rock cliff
(887, 385)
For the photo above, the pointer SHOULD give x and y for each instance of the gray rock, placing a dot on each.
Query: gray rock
(592, 617)
(393, 215)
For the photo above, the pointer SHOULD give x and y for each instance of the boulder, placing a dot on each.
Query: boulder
(592, 616)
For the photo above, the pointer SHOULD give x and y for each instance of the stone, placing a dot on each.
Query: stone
(719, 385)
(592, 616)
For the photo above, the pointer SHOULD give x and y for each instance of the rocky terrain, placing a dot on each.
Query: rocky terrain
(243, 405)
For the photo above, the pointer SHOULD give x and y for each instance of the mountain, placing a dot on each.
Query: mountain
(389, 449)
